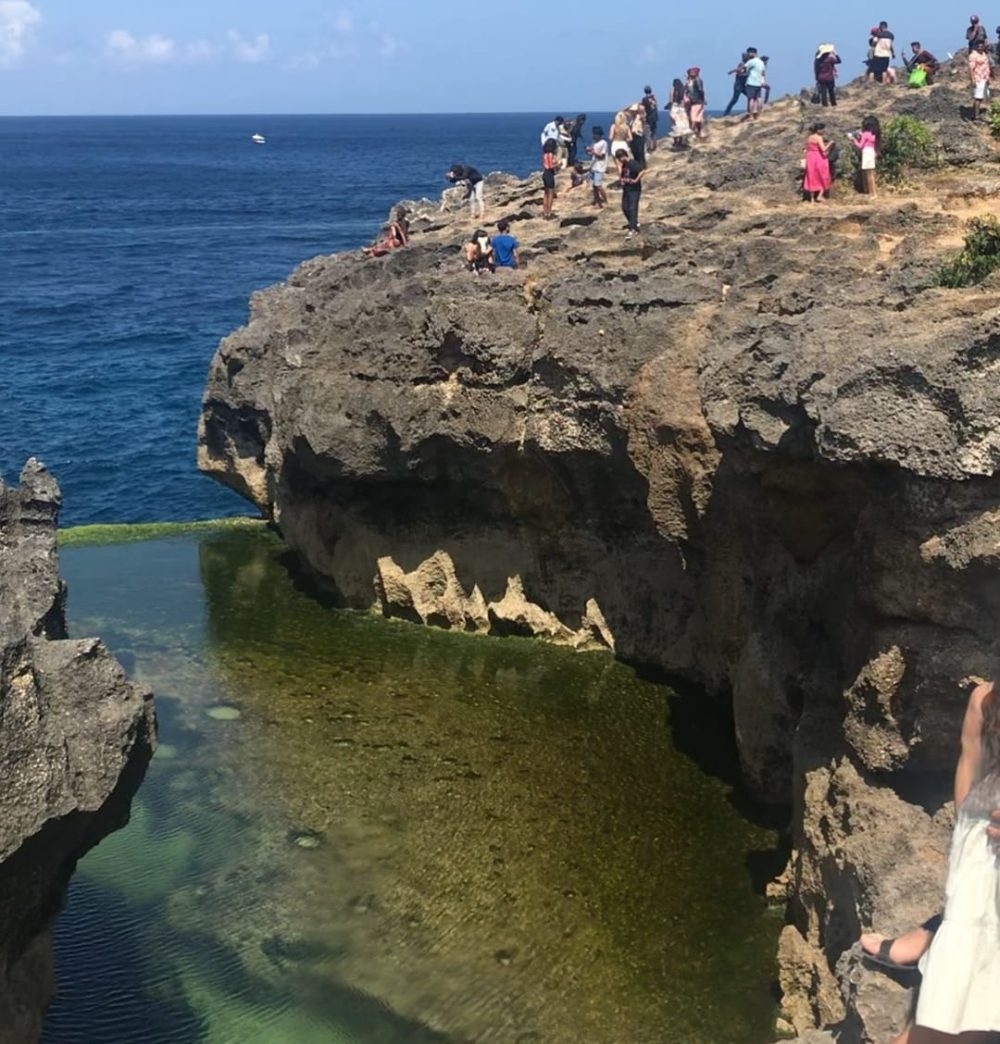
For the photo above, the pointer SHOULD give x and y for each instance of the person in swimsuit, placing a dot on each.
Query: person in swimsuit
(396, 235)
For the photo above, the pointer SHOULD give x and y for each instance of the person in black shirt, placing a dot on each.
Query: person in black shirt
(474, 184)
(632, 172)
(575, 130)
(650, 108)
(975, 34)
(739, 75)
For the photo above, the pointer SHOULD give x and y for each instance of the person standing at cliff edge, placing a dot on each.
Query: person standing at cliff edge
(651, 112)
(598, 152)
(975, 34)
(980, 74)
(756, 71)
(883, 52)
(825, 69)
(474, 183)
(632, 172)
(739, 75)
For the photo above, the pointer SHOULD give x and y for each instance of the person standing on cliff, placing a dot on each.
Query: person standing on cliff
(474, 186)
(980, 74)
(755, 72)
(550, 164)
(883, 51)
(739, 75)
(631, 177)
(552, 130)
(825, 70)
(598, 152)
(694, 90)
(651, 113)
(975, 34)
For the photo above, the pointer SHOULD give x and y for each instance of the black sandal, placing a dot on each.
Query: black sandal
(883, 960)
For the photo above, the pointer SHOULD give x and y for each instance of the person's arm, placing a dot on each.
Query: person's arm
(514, 257)
(972, 743)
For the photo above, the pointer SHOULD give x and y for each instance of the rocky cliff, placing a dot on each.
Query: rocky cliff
(754, 447)
(75, 739)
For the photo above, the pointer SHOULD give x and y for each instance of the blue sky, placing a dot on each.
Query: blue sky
(259, 56)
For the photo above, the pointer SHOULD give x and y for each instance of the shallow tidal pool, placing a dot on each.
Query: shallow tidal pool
(356, 830)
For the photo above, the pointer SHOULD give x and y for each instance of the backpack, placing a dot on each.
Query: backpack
(917, 77)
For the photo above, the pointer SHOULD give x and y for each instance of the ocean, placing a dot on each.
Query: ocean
(129, 247)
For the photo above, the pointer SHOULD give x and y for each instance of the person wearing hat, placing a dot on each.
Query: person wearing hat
(694, 89)
(651, 111)
(825, 69)
(975, 34)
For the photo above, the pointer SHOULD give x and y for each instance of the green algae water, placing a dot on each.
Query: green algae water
(361, 831)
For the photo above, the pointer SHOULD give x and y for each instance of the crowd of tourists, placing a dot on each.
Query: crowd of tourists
(618, 157)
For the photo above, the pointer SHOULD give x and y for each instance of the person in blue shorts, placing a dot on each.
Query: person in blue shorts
(505, 247)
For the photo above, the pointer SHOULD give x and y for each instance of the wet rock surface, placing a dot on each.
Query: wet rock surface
(756, 437)
(75, 739)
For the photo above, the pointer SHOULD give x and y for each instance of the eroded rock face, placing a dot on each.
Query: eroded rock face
(75, 739)
(756, 438)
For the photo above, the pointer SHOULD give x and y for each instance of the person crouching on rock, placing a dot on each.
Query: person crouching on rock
(474, 186)
(959, 999)
(817, 181)
(479, 253)
(550, 162)
(397, 235)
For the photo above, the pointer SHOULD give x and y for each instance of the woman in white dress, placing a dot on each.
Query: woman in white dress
(960, 995)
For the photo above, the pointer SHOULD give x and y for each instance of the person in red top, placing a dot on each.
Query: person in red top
(550, 163)
(825, 70)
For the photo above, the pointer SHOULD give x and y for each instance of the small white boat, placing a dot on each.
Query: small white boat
(258, 139)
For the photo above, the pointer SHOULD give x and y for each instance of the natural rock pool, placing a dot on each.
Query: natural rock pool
(358, 830)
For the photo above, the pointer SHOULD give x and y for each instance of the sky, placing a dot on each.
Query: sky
(110, 57)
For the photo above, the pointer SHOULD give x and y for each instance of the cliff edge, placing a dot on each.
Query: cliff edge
(75, 740)
(754, 446)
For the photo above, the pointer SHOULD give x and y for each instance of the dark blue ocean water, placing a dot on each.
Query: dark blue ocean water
(129, 247)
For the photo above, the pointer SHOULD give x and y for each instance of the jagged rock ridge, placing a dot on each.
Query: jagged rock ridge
(75, 739)
(756, 438)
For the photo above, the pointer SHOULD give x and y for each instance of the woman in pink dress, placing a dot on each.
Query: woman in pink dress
(817, 181)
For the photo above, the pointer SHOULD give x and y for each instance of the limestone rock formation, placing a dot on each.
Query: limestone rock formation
(757, 437)
(75, 739)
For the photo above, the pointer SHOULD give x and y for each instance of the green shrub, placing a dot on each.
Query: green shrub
(993, 118)
(907, 144)
(979, 256)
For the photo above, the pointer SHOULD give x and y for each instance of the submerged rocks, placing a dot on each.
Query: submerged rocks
(75, 739)
(759, 441)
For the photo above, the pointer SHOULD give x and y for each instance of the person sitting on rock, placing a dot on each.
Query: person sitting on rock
(479, 253)
(922, 59)
(397, 235)
(505, 246)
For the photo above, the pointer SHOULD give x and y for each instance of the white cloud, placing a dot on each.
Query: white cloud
(344, 23)
(155, 48)
(388, 47)
(199, 51)
(18, 19)
(255, 50)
